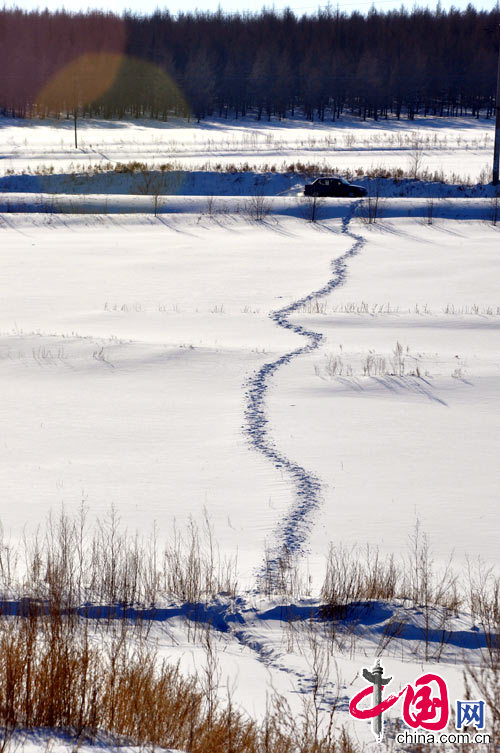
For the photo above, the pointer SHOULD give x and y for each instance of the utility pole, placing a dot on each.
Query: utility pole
(496, 153)
(75, 109)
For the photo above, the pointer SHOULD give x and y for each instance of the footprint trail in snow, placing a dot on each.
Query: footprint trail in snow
(292, 530)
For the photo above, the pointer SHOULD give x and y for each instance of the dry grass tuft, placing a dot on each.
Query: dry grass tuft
(67, 666)
(72, 563)
(354, 574)
(59, 673)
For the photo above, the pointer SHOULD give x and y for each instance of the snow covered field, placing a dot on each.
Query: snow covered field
(140, 368)
(459, 148)
(127, 344)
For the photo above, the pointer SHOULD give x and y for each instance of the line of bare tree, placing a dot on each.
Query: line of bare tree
(271, 64)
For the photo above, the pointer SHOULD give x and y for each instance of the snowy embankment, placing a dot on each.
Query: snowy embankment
(148, 182)
(260, 647)
(253, 208)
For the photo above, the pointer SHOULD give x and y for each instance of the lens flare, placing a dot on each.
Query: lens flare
(80, 82)
(113, 81)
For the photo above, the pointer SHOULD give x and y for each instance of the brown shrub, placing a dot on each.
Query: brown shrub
(55, 675)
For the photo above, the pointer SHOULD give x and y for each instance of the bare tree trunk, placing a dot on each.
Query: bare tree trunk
(496, 154)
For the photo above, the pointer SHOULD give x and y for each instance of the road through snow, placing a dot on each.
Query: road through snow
(291, 532)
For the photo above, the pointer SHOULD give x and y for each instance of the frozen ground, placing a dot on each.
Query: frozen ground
(457, 147)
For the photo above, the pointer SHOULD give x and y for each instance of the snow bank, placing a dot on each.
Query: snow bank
(208, 183)
(258, 207)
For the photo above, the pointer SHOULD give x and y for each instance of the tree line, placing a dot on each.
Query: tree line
(270, 64)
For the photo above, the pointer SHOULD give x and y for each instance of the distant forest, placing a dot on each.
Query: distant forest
(268, 64)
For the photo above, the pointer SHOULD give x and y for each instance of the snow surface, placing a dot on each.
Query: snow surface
(203, 183)
(127, 345)
(456, 146)
(262, 647)
(140, 367)
(55, 743)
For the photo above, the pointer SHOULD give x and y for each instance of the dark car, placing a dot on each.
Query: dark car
(333, 187)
